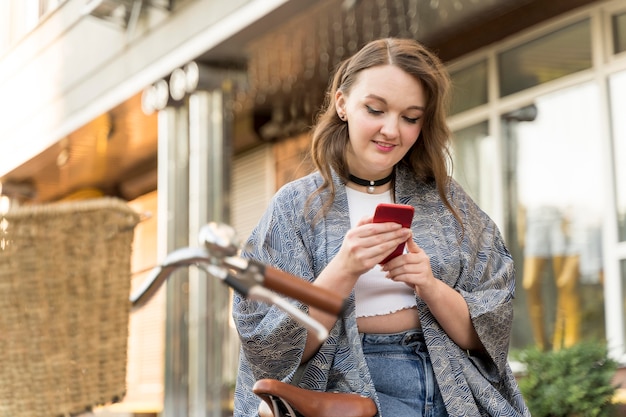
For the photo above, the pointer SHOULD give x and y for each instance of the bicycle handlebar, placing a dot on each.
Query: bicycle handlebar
(251, 278)
(294, 287)
(176, 259)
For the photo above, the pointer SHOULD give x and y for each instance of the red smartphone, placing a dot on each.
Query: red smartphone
(399, 213)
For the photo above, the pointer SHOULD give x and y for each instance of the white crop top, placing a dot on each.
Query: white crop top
(375, 294)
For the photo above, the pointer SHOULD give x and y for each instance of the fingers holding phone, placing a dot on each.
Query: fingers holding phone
(415, 271)
(364, 244)
(397, 213)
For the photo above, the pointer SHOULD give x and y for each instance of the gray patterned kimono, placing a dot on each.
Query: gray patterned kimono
(474, 262)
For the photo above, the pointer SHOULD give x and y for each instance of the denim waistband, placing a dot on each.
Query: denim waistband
(407, 338)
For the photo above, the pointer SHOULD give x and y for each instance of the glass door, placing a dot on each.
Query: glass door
(554, 197)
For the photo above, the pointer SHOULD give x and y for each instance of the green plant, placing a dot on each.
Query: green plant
(574, 381)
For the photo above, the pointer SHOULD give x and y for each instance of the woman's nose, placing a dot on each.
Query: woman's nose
(390, 128)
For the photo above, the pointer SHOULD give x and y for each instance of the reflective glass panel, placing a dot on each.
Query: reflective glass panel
(556, 200)
(47, 6)
(617, 85)
(619, 33)
(560, 53)
(469, 87)
(623, 273)
(475, 164)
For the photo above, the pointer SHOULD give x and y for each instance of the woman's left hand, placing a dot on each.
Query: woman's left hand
(412, 268)
(446, 304)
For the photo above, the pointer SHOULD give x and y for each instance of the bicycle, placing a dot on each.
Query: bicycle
(217, 256)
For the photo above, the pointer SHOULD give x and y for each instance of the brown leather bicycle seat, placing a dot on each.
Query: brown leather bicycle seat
(315, 403)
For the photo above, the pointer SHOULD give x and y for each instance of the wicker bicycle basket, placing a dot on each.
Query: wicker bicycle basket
(64, 306)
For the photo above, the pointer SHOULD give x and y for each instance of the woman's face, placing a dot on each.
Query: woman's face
(384, 111)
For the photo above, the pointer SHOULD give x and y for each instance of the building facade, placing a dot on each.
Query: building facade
(198, 110)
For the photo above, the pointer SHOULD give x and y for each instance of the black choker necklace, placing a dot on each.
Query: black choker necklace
(371, 184)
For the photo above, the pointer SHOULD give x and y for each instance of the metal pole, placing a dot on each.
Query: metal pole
(209, 185)
(173, 178)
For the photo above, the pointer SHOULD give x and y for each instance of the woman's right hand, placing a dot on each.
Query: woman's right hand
(364, 246)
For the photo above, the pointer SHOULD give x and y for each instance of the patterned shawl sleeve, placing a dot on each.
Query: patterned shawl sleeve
(474, 261)
(487, 278)
(272, 341)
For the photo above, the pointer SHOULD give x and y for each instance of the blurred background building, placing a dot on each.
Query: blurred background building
(198, 110)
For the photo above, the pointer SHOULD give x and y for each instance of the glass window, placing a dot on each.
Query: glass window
(17, 19)
(469, 87)
(619, 33)
(47, 6)
(623, 271)
(560, 53)
(617, 85)
(5, 27)
(475, 163)
(556, 218)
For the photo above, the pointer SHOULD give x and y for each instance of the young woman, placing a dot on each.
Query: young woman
(425, 334)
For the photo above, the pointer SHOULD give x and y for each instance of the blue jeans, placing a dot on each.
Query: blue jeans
(403, 375)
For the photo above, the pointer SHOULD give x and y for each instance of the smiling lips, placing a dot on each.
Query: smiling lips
(385, 147)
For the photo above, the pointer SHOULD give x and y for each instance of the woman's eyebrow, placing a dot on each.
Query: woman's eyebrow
(376, 97)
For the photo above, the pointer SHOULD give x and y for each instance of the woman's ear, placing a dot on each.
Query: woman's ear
(340, 104)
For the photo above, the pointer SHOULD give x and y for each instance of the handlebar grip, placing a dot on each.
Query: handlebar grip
(302, 290)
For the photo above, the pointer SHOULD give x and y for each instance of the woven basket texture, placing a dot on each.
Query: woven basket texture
(64, 306)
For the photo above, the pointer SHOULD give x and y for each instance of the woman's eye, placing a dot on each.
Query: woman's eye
(412, 120)
(371, 110)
